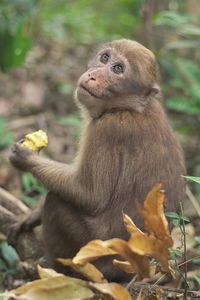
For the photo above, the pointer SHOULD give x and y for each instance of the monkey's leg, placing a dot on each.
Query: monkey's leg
(27, 223)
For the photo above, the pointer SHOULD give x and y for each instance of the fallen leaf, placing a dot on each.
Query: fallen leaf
(46, 273)
(88, 270)
(139, 262)
(54, 288)
(124, 265)
(91, 251)
(113, 289)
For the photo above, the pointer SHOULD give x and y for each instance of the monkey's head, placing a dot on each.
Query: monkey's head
(122, 75)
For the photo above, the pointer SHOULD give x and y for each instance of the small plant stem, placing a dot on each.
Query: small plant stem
(131, 282)
(185, 254)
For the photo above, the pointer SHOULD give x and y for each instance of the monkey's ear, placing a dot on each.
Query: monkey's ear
(153, 89)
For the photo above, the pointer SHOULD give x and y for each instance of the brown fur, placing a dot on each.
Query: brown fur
(126, 147)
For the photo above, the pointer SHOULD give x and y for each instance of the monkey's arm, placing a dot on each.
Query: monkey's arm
(82, 188)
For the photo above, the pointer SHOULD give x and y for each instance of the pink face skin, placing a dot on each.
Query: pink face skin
(105, 72)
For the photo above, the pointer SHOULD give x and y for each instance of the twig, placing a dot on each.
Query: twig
(10, 198)
(185, 255)
(5, 211)
(23, 122)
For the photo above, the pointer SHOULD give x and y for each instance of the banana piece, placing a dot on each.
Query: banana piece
(36, 140)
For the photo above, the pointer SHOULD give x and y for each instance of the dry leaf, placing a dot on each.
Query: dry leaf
(139, 263)
(54, 288)
(91, 251)
(149, 245)
(46, 273)
(130, 225)
(155, 220)
(113, 289)
(88, 270)
(98, 248)
(124, 265)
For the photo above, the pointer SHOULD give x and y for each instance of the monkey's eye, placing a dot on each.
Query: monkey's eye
(118, 69)
(104, 58)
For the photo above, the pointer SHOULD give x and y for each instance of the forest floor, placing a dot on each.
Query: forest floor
(40, 96)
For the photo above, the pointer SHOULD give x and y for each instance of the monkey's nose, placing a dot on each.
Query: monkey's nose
(91, 77)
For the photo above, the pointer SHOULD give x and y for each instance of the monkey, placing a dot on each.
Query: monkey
(126, 146)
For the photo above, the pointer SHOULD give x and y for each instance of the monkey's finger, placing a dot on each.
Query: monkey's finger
(21, 141)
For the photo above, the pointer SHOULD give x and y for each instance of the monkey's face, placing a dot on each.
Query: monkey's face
(104, 77)
(114, 79)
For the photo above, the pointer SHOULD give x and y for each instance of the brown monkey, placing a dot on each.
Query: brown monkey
(126, 147)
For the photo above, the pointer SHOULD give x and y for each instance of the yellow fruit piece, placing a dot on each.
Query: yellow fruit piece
(36, 140)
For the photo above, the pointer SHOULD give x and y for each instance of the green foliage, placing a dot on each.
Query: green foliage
(6, 137)
(31, 184)
(174, 253)
(184, 28)
(184, 78)
(65, 88)
(8, 261)
(71, 120)
(177, 219)
(183, 73)
(88, 21)
(15, 40)
(197, 278)
(13, 45)
(195, 179)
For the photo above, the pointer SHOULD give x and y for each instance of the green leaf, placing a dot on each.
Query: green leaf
(196, 261)
(197, 278)
(30, 201)
(9, 254)
(172, 215)
(190, 30)
(173, 19)
(178, 252)
(180, 104)
(13, 271)
(6, 137)
(30, 184)
(195, 179)
(14, 45)
(3, 265)
(185, 219)
(176, 222)
(197, 240)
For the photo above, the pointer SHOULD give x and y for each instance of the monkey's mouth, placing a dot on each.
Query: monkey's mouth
(88, 91)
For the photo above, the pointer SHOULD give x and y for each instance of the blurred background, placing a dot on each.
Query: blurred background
(44, 47)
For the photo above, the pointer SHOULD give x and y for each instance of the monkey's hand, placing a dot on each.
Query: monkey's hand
(21, 157)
